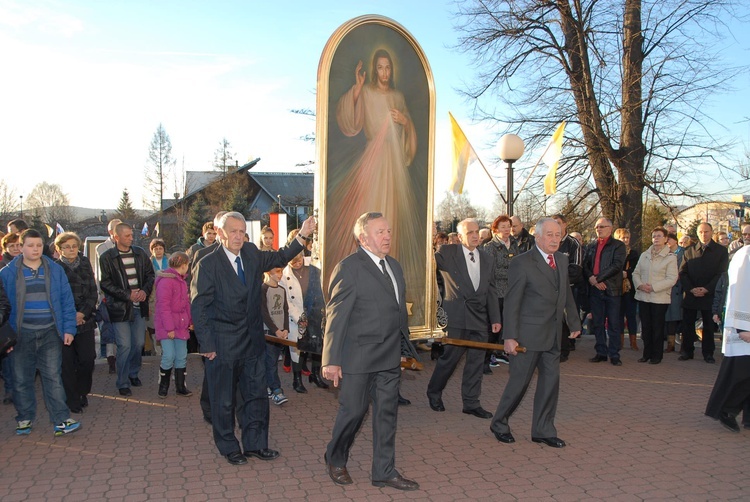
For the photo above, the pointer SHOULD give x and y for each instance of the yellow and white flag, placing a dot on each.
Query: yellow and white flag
(463, 155)
(50, 230)
(552, 159)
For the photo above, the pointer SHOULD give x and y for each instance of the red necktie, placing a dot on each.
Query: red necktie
(551, 260)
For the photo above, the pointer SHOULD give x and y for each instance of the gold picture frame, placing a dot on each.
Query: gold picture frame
(375, 145)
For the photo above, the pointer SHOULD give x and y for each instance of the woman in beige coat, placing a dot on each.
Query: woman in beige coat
(653, 279)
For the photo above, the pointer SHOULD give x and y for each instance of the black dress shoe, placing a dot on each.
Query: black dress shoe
(264, 454)
(339, 475)
(616, 361)
(643, 360)
(504, 437)
(709, 359)
(136, 382)
(236, 458)
(436, 404)
(478, 412)
(398, 482)
(486, 371)
(207, 419)
(84, 401)
(402, 401)
(684, 356)
(75, 409)
(729, 422)
(654, 361)
(563, 358)
(125, 391)
(553, 442)
(598, 359)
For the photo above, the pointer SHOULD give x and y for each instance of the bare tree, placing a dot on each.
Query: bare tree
(9, 201)
(159, 166)
(223, 157)
(50, 203)
(630, 77)
(454, 208)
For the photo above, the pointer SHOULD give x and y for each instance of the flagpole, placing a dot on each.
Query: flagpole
(532, 172)
(492, 180)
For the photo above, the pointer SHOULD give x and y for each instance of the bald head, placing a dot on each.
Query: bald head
(516, 226)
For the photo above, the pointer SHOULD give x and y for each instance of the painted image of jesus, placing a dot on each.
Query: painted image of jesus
(376, 176)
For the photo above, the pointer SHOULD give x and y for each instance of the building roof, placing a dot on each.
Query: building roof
(295, 188)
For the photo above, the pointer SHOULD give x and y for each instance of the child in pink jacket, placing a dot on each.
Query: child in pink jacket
(172, 322)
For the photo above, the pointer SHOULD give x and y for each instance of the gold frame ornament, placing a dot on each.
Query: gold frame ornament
(375, 139)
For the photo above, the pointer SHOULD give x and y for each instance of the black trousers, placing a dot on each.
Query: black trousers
(357, 390)
(689, 336)
(78, 361)
(471, 385)
(652, 329)
(248, 377)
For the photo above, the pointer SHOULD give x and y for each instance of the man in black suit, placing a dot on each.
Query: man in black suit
(226, 299)
(538, 300)
(366, 318)
(471, 305)
(702, 266)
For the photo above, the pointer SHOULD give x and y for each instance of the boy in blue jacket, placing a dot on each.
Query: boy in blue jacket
(43, 314)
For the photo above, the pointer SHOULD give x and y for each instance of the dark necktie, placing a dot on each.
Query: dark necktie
(240, 272)
(387, 277)
(471, 256)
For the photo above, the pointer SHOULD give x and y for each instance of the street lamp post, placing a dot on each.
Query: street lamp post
(21, 196)
(511, 149)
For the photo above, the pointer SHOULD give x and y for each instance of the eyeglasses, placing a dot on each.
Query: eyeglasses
(69, 248)
(603, 226)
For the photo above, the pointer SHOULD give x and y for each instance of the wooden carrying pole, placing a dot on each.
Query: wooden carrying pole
(474, 345)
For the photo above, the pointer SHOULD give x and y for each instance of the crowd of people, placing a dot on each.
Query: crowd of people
(532, 291)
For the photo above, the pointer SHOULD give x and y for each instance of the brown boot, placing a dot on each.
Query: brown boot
(633, 342)
(670, 343)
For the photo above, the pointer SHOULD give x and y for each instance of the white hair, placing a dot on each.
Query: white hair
(232, 214)
(538, 228)
(461, 227)
(362, 221)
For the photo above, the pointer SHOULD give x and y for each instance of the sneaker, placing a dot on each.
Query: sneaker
(493, 361)
(278, 397)
(67, 427)
(503, 358)
(23, 428)
(270, 394)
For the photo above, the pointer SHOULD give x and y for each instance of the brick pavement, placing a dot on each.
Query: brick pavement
(634, 433)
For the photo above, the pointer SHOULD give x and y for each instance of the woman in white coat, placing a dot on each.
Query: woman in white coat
(653, 279)
(304, 293)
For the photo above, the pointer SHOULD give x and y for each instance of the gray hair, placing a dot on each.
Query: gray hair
(609, 222)
(540, 225)
(362, 221)
(232, 214)
(461, 227)
(217, 218)
(112, 224)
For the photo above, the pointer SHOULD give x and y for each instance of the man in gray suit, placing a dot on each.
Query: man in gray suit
(472, 307)
(226, 300)
(366, 318)
(538, 296)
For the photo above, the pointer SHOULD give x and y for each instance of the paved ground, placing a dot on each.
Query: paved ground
(636, 432)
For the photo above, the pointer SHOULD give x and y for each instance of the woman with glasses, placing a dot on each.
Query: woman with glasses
(78, 358)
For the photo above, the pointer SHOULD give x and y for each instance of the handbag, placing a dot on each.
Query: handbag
(311, 336)
(8, 338)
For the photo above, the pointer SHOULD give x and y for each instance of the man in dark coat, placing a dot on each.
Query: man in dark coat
(226, 300)
(366, 318)
(702, 266)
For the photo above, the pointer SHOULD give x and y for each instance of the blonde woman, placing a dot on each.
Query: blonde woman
(628, 307)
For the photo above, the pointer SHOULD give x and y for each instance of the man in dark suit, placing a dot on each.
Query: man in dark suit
(603, 261)
(471, 305)
(702, 266)
(366, 317)
(538, 297)
(226, 299)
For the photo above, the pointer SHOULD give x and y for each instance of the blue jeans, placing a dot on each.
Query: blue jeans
(273, 351)
(173, 353)
(130, 338)
(606, 308)
(39, 350)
